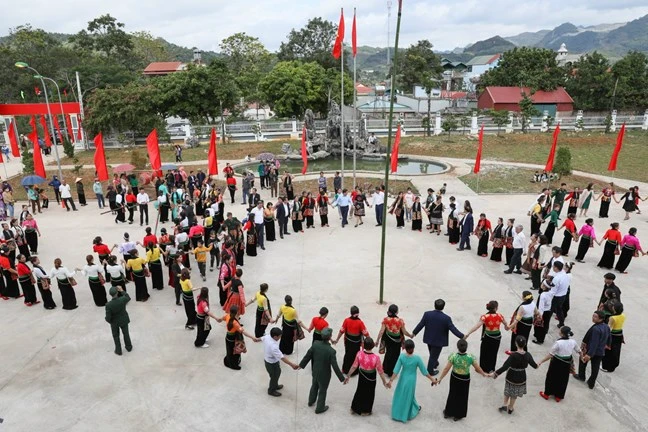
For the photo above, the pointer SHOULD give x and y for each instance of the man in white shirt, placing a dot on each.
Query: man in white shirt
(66, 195)
(556, 256)
(343, 202)
(544, 306)
(559, 290)
(519, 244)
(271, 356)
(257, 214)
(143, 200)
(379, 202)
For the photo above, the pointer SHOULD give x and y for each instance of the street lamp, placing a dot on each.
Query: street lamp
(23, 65)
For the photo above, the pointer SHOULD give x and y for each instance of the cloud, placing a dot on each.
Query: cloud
(205, 23)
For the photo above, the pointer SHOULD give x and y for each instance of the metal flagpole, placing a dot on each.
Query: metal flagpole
(84, 137)
(342, 130)
(392, 93)
(355, 98)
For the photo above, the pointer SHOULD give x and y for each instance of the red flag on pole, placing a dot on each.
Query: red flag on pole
(100, 158)
(212, 156)
(354, 36)
(153, 150)
(552, 152)
(48, 138)
(58, 130)
(70, 131)
(339, 39)
(304, 150)
(79, 134)
(37, 91)
(15, 150)
(479, 150)
(39, 167)
(394, 155)
(617, 149)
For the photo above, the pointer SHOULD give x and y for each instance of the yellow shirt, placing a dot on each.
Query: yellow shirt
(289, 313)
(261, 301)
(153, 255)
(537, 208)
(186, 285)
(201, 253)
(617, 322)
(208, 222)
(135, 264)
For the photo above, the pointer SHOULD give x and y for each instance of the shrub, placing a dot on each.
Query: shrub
(27, 160)
(137, 159)
(68, 148)
(563, 164)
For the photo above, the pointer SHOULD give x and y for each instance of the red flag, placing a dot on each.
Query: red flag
(339, 39)
(354, 36)
(15, 150)
(479, 150)
(394, 154)
(100, 158)
(617, 149)
(48, 138)
(304, 151)
(70, 131)
(39, 167)
(58, 130)
(37, 91)
(65, 92)
(153, 150)
(552, 152)
(79, 135)
(212, 156)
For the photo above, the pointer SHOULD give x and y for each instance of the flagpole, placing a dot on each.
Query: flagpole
(355, 98)
(342, 129)
(387, 155)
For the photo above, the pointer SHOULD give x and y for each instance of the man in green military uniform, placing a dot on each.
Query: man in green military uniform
(558, 196)
(322, 354)
(118, 318)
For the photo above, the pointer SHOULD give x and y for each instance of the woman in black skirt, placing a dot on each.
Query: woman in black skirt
(43, 283)
(616, 321)
(483, 231)
(308, 206)
(251, 240)
(353, 330)
(66, 282)
(203, 313)
(560, 364)
(21, 240)
(269, 222)
(508, 240)
(297, 216)
(391, 336)
(523, 319)
(31, 233)
(606, 198)
(570, 233)
(322, 207)
(9, 278)
(138, 266)
(629, 203)
(96, 279)
(612, 239)
(397, 209)
(224, 277)
(630, 247)
(234, 334)
(436, 216)
(154, 259)
(553, 217)
(515, 368)
(498, 241)
(368, 364)
(460, 362)
(453, 225)
(27, 281)
(263, 310)
(490, 323)
(417, 216)
(288, 186)
(587, 236)
(290, 324)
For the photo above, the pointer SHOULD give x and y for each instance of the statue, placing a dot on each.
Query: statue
(309, 124)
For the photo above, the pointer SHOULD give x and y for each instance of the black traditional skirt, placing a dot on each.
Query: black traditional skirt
(523, 328)
(28, 289)
(392, 352)
(46, 295)
(67, 294)
(259, 329)
(604, 209)
(11, 285)
(566, 243)
(607, 260)
(98, 291)
(583, 247)
(457, 402)
(156, 274)
(558, 376)
(287, 342)
(613, 355)
(141, 290)
(190, 308)
(482, 248)
(627, 253)
(490, 344)
(549, 232)
(352, 344)
(365, 393)
(231, 360)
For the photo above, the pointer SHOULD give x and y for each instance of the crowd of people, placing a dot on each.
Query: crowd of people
(204, 235)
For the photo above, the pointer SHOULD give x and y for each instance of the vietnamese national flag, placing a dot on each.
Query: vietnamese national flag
(552, 152)
(154, 150)
(339, 39)
(70, 131)
(100, 158)
(39, 167)
(48, 138)
(479, 150)
(13, 140)
(394, 154)
(617, 149)
(304, 151)
(212, 156)
(354, 36)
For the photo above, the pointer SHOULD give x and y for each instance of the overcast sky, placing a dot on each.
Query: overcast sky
(204, 23)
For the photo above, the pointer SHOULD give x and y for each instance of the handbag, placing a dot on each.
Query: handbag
(239, 347)
(72, 281)
(147, 273)
(102, 279)
(264, 319)
(617, 251)
(538, 321)
(299, 333)
(382, 348)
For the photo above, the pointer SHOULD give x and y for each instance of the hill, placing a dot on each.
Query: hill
(493, 45)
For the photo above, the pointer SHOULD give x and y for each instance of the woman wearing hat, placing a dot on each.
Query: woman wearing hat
(80, 191)
(560, 365)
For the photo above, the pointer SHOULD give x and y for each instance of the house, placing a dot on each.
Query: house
(380, 107)
(163, 68)
(363, 90)
(508, 99)
(477, 66)
(563, 57)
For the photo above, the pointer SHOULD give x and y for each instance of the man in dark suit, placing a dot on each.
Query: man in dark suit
(118, 319)
(437, 325)
(467, 226)
(283, 214)
(322, 354)
(254, 199)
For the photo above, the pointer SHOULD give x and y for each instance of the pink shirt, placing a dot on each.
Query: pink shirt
(31, 224)
(587, 230)
(631, 241)
(203, 307)
(368, 362)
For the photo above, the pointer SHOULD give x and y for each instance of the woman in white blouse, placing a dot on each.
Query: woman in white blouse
(117, 272)
(560, 365)
(66, 282)
(96, 280)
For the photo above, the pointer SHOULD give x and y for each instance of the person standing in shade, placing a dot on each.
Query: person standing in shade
(344, 201)
(117, 317)
(97, 188)
(593, 348)
(143, 201)
(322, 354)
(66, 196)
(467, 226)
(437, 325)
(519, 244)
(379, 203)
(272, 356)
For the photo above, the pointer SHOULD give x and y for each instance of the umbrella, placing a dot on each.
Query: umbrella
(32, 180)
(266, 156)
(169, 167)
(124, 168)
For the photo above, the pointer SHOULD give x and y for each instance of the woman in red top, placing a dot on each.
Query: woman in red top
(231, 186)
(612, 245)
(318, 324)
(391, 336)
(308, 204)
(483, 231)
(353, 330)
(149, 238)
(570, 233)
(203, 313)
(103, 252)
(26, 281)
(490, 323)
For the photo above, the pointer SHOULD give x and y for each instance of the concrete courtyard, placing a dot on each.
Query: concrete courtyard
(59, 372)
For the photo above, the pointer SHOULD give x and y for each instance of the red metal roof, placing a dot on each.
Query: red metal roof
(453, 94)
(161, 68)
(503, 95)
(494, 58)
(363, 89)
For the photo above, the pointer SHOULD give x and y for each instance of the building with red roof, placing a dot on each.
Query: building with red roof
(163, 68)
(508, 99)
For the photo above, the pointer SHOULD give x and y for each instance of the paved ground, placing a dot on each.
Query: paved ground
(59, 372)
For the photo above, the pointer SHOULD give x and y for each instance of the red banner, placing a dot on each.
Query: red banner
(100, 158)
(48, 138)
(38, 109)
(479, 150)
(339, 39)
(153, 150)
(617, 149)
(212, 155)
(70, 131)
(304, 151)
(552, 152)
(13, 139)
(394, 154)
(354, 36)
(39, 167)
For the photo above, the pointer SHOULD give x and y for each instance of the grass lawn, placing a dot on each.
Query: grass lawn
(499, 179)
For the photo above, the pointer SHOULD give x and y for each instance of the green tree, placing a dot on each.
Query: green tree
(465, 121)
(535, 68)
(68, 148)
(527, 111)
(420, 66)
(500, 118)
(27, 160)
(630, 74)
(449, 124)
(589, 82)
(148, 49)
(105, 35)
(563, 164)
(313, 43)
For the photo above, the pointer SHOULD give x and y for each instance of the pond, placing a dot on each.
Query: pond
(405, 166)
